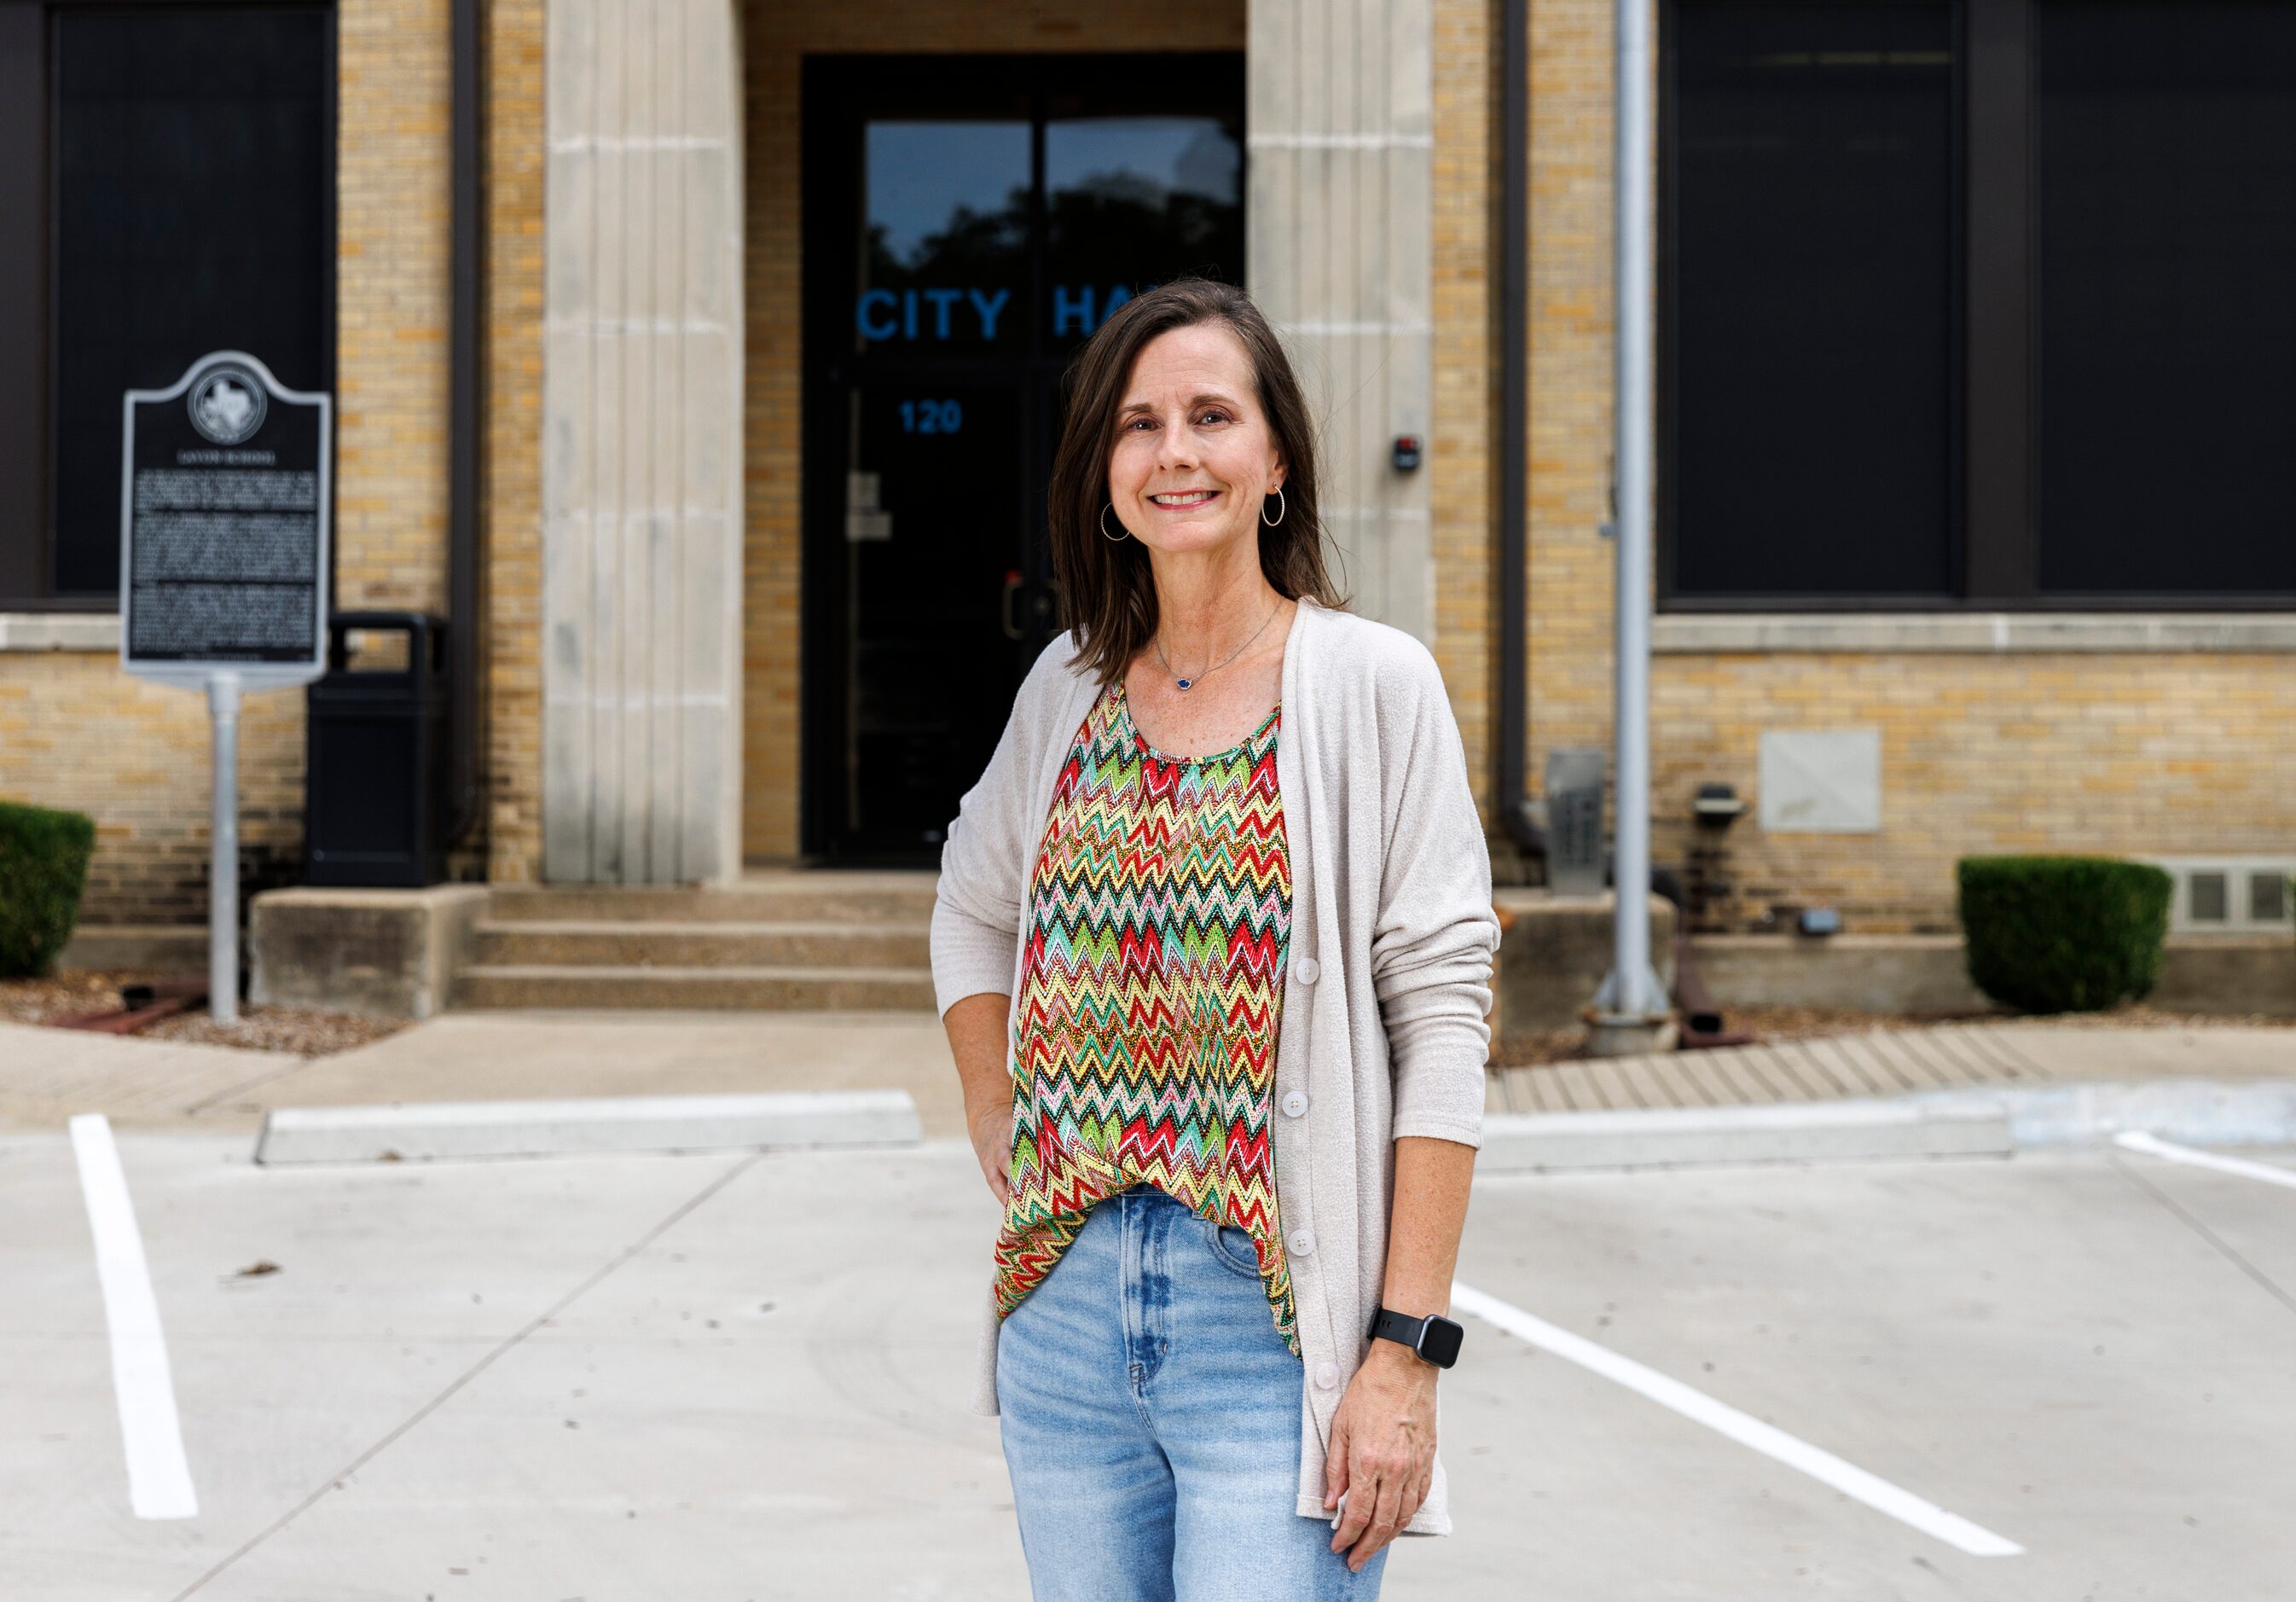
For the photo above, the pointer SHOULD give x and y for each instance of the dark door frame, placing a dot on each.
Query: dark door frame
(838, 96)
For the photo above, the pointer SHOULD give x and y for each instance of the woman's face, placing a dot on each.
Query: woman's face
(1193, 452)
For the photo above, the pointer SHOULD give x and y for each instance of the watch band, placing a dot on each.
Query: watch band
(1442, 1350)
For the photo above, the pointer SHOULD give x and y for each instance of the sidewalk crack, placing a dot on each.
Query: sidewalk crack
(2205, 1233)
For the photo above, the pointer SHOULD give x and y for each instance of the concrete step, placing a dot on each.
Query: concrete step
(649, 943)
(824, 897)
(751, 988)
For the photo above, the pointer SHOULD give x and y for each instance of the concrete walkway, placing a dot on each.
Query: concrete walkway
(47, 1074)
(1894, 1063)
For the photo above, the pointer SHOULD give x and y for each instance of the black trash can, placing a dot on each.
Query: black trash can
(375, 784)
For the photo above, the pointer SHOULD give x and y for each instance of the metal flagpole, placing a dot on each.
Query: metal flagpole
(223, 876)
(1636, 999)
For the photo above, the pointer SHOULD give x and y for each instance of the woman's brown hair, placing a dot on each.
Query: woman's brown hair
(1108, 594)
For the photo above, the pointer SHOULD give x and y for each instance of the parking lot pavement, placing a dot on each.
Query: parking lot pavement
(742, 1376)
(2051, 1346)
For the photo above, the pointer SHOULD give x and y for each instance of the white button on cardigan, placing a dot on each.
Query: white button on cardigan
(1390, 879)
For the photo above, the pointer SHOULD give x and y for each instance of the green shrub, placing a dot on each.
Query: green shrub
(2056, 934)
(43, 870)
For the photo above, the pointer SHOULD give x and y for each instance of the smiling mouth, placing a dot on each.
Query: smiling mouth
(1182, 497)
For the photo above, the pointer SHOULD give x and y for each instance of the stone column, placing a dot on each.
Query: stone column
(1340, 119)
(642, 442)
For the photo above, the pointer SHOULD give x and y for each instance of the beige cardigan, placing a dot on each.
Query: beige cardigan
(1392, 933)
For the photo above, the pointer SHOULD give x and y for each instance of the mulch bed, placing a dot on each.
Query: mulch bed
(301, 1032)
(1768, 1023)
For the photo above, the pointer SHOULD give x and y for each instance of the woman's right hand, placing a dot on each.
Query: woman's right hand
(992, 1143)
(979, 1039)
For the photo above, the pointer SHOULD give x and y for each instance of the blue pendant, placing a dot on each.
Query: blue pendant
(1184, 683)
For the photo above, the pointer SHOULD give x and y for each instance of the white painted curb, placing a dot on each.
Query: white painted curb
(425, 1130)
(2195, 1111)
(1789, 1132)
(1978, 1120)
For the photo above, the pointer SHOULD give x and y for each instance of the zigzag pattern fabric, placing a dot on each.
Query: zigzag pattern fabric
(1143, 1037)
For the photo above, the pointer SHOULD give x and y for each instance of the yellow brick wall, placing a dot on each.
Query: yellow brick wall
(2114, 754)
(1569, 377)
(512, 537)
(394, 232)
(2129, 753)
(776, 34)
(2124, 754)
(74, 730)
(1462, 456)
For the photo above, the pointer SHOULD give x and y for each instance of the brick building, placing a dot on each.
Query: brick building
(1974, 426)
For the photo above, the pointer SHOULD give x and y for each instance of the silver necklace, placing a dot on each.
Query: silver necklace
(1190, 683)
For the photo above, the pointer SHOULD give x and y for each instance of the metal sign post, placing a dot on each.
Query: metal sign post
(225, 491)
(223, 876)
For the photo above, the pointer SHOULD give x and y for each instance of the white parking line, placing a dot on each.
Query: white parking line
(2152, 1145)
(1820, 1465)
(159, 1478)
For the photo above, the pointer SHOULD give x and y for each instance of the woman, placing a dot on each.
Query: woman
(1226, 857)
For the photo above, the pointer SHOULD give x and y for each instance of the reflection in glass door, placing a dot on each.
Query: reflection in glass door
(964, 234)
(931, 504)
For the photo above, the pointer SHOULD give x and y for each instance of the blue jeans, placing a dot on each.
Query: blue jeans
(1151, 1422)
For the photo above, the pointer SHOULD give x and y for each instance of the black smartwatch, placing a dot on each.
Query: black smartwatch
(1433, 1338)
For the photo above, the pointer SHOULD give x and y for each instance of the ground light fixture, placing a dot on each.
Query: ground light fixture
(1716, 806)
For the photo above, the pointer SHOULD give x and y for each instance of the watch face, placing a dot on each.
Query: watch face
(1439, 1342)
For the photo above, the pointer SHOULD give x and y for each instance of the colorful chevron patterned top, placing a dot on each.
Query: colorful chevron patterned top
(1143, 1037)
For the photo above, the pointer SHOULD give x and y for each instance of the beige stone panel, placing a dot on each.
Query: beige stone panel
(642, 558)
(1339, 125)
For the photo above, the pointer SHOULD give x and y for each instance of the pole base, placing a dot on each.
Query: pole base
(1629, 1034)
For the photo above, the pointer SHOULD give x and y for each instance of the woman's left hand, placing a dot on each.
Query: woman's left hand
(1382, 1451)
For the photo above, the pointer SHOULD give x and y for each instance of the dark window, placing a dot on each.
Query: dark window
(1130, 201)
(1812, 258)
(945, 263)
(183, 188)
(2166, 380)
(1978, 304)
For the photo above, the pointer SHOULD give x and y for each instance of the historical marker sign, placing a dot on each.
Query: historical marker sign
(224, 507)
(223, 496)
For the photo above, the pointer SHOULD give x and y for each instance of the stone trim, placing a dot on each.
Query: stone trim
(641, 446)
(1990, 632)
(1339, 212)
(96, 633)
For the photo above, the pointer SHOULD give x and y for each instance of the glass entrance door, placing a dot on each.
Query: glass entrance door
(965, 231)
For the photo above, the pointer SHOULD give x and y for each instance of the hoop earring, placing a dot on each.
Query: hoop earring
(1282, 510)
(1104, 534)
